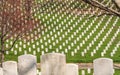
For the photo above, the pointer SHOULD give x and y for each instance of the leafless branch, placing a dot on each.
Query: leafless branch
(102, 7)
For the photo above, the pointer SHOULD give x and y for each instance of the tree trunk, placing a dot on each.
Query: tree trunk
(2, 52)
(2, 57)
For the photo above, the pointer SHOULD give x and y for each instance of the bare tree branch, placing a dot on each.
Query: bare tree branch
(17, 21)
(102, 7)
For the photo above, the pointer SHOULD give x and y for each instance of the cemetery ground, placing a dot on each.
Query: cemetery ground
(77, 56)
(58, 24)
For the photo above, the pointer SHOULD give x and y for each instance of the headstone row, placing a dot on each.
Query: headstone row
(26, 66)
(52, 64)
(55, 64)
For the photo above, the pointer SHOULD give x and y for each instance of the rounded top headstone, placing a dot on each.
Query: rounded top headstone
(26, 55)
(27, 58)
(58, 54)
(103, 66)
(10, 62)
(71, 69)
(102, 60)
(53, 64)
(71, 64)
(53, 55)
(27, 64)
(10, 68)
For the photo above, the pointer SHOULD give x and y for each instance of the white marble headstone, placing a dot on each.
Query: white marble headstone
(53, 64)
(1, 71)
(10, 68)
(103, 66)
(72, 69)
(27, 65)
(83, 72)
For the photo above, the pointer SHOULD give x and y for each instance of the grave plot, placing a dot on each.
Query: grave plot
(69, 27)
(65, 29)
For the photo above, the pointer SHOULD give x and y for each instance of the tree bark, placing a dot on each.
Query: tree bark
(2, 51)
(2, 47)
(2, 58)
(101, 6)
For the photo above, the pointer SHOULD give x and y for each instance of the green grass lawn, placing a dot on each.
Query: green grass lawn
(62, 28)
